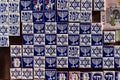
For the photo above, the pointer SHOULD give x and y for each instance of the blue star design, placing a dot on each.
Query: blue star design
(27, 28)
(62, 62)
(50, 27)
(108, 62)
(50, 50)
(86, 4)
(39, 39)
(99, 4)
(96, 51)
(85, 16)
(74, 28)
(3, 41)
(109, 37)
(39, 61)
(74, 4)
(16, 50)
(3, 30)
(85, 62)
(85, 39)
(27, 74)
(28, 50)
(39, 73)
(62, 39)
(15, 73)
(96, 28)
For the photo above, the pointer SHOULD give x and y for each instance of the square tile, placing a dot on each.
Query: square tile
(96, 51)
(116, 62)
(73, 28)
(73, 62)
(50, 62)
(3, 7)
(4, 30)
(28, 39)
(85, 51)
(62, 15)
(62, 39)
(74, 4)
(50, 50)
(108, 62)
(108, 51)
(27, 62)
(27, 28)
(62, 62)
(85, 62)
(50, 74)
(25, 5)
(15, 73)
(99, 5)
(14, 18)
(38, 5)
(117, 75)
(109, 75)
(85, 28)
(96, 62)
(62, 75)
(39, 50)
(86, 5)
(50, 39)
(73, 51)
(62, 4)
(109, 36)
(14, 30)
(74, 16)
(50, 5)
(39, 39)
(74, 75)
(38, 16)
(39, 28)
(62, 28)
(16, 62)
(73, 39)
(117, 51)
(96, 28)
(62, 51)
(28, 50)
(27, 73)
(14, 7)
(4, 18)
(86, 16)
(39, 73)
(85, 40)
(85, 75)
(4, 41)
(97, 75)
(39, 61)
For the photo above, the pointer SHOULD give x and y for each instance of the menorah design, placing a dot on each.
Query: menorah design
(85, 28)
(39, 27)
(50, 61)
(50, 38)
(26, 16)
(62, 14)
(85, 16)
(96, 62)
(85, 50)
(108, 51)
(97, 39)
(62, 50)
(73, 51)
(13, 30)
(74, 39)
(28, 61)
(3, 41)
(13, 19)
(62, 4)
(74, 15)
(3, 18)
(38, 16)
(97, 77)
(109, 77)
(50, 74)
(25, 4)
(62, 27)
(3, 7)
(28, 38)
(13, 7)
(73, 62)
(117, 61)
(50, 15)
(39, 50)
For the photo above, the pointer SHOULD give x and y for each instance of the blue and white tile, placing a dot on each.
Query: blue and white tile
(50, 39)
(62, 62)
(116, 62)
(15, 73)
(4, 18)
(73, 62)
(39, 28)
(73, 39)
(27, 73)
(96, 62)
(39, 39)
(117, 51)
(85, 40)
(62, 51)
(38, 16)
(74, 75)
(85, 75)
(62, 75)
(27, 28)
(62, 15)
(97, 39)
(86, 16)
(117, 75)
(50, 62)
(62, 28)
(85, 51)
(14, 18)
(109, 75)
(4, 41)
(62, 4)
(99, 5)
(50, 50)
(50, 74)
(14, 7)
(25, 5)
(39, 73)
(39, 50)
(39, 61)
(74, 16)
(49, 4)
(15, 50)
(74, 4)
(109, 36)
(16, 62)
(50, 27)
(108, 51)
(26, 16)
(28, 50)
(38, 5)
(85, 62)
(74, 28)
(28, 62)
(28, 39)
(14, 30)
(96, 51)
(86, 5)
(50, 16)
(108, 62)
(96, 28)
(4, 30)
(73, 51)
(3, 7)
(62, 39)
(85, 28)
(97, 75)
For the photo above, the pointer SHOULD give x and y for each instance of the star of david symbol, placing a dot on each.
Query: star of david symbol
(50, 50)
(39, 39)
(74, 4)
(96, 28)
(3, 30)
(109, 37)
(27, 28)
(108, 62)
(96, 51)
(99, 4)
(16, 73)
(39, 73)
(86, 4)
(39, 61)
(85, 39)
(50, 27)
(16, 50)
(85, 62)
(62, 39)
(74, 28)
(27, 73)
(28, 50)
(62, 62)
